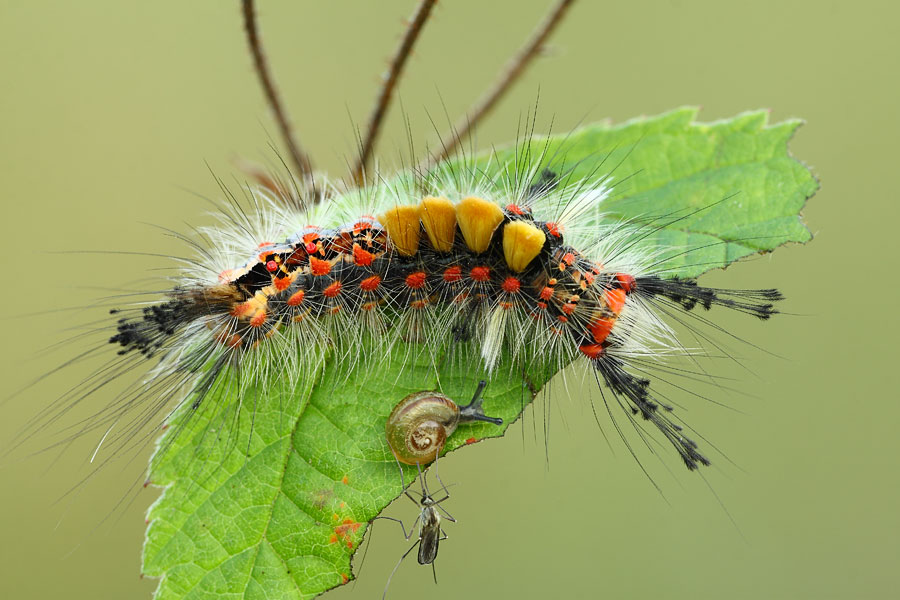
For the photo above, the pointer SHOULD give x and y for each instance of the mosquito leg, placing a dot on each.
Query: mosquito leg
(397, 566)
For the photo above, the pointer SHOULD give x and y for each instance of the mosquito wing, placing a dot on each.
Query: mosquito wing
(429, 535)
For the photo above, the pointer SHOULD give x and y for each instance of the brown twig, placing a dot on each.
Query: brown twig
(398, 62)
(511, 72)
(299, 158)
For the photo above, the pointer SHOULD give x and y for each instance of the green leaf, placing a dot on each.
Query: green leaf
(726, 190)
(273, 499)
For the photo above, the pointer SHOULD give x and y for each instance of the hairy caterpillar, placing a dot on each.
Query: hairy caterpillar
(517, 264)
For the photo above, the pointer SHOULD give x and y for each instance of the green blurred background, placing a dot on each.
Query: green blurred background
(108, 111)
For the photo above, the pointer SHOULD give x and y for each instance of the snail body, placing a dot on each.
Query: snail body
(419, 425)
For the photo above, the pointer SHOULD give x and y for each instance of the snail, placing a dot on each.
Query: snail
(420, 424)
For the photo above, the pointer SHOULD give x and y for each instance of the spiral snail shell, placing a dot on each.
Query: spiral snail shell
(420, 424)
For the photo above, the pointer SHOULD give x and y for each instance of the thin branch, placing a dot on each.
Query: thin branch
(511, 72)
(299, 158)
(391, 77)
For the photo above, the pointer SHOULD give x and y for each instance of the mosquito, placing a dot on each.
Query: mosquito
(429, 520)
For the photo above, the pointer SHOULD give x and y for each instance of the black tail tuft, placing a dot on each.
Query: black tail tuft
(147, 332)
(688, 294)
(637, 392)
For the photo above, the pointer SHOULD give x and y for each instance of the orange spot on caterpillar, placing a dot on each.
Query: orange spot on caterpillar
(419, 304)
(546, 293)
(554, 229)
(562, 319)
(415, 280)
(470, 440)
(361, 257)
(241, 310)
(553, 281)
(271, 266)
(626, 281)
(568, 308)
(344, 480)
(592, 351)
(452, 274)
(568, 258)
(318, 266)
(258, 318)
(511, 285)
(507, 305)
(589, 277)
(296, 298)
(371, 305)
(480, 273)
(281, 283)
(334, 310)
(542, 305)
(600, 329)
(311, 247)
(615, 300)
(344, 578)
(370, 284)
(333, 290)
(235, 341)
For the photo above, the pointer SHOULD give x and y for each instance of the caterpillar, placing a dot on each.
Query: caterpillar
(518, 266)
